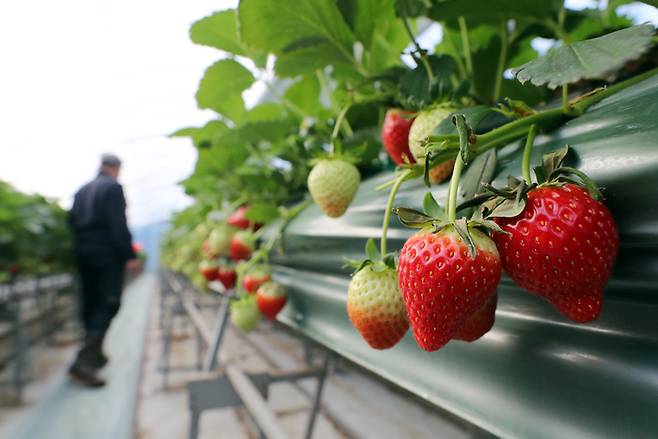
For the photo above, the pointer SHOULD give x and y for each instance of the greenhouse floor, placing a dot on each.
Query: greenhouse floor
(135, 402)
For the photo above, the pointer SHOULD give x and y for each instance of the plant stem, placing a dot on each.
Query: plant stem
(466, 46)
(339, 122)
(407, 27)
(527, 152)
(451, 202)
(502, 60)
(565, 99)
(389, 207)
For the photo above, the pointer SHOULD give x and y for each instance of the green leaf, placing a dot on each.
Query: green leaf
(219, 30)
(294, 30)
(412, 217)
(491, 10)
(461, 225)
(262, 212)
(589, 59)
(365, 16)
(202, 137)
(266, 111)
(371, 250)
(431, 207)
(221, 87)
(416, 89)
(480, 171)
(305, 94)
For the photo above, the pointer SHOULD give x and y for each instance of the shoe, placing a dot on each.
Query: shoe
(97, 359)
(85, 375)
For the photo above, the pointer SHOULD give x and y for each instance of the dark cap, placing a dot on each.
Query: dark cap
(110, 160)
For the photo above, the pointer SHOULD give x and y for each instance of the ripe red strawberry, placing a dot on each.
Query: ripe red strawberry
(562, 247)
(242, 244)
(238, 219)
(245, 314)
(333, 185)
(209, 270)
(375, 307)
(395, 135)
(271, 298)
(226, 275)
(255, 278)
(479, 323)
(442, 285)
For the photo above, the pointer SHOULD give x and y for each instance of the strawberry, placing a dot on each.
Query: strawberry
(333, 184)
(443, 284)
(375, 306)
(479, 323)
(562, 246)
(242, 244)
(255, 278)
(218, 242)
(238, 220)
(209, 270)
(395, 135)
(271, 298)
(245, 314)
(422, 127)
(226, 275)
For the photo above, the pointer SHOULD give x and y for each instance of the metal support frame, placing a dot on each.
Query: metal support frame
(234, 387)
(42, 293)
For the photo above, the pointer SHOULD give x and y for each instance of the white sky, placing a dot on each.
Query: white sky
(80, 77)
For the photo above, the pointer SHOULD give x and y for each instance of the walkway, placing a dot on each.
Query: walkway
(69, 411)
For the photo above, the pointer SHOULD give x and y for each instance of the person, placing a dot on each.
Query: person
(103, 250)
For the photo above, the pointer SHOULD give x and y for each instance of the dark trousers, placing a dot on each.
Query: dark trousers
(100, 297)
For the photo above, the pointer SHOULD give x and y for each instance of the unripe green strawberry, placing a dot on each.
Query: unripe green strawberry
(423, 126)
(333, 184)
(376, 308)
(218, 242)
(245, 314)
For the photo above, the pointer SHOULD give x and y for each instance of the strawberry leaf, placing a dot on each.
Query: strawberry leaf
(371, 250)
(589, 59)
(461, 226)
(480, 171)
(432, 207)
(412, 218)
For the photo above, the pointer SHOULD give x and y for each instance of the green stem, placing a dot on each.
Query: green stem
(580, 106)
(502, 60)
(454, 185)
(565, 99)
(527, 152)
(389, 207)
(407, 27)
(451, 202)
(466, 45)
(339, 122)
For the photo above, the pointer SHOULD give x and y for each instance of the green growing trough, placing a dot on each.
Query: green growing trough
(535, 374)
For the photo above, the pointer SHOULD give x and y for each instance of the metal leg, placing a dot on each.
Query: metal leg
(199, 349)
(168, 328)
(318, 396)
(211, 354)
(194, 424)
(21, 351)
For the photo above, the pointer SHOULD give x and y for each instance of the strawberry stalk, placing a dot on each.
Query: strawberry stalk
(527, 152)
(389, 208)
(451, 202)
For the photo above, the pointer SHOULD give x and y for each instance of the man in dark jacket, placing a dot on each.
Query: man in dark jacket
(103, 250)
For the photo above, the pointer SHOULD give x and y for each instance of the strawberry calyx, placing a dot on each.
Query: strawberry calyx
(378, 262)
(510, 201)
(433, 219)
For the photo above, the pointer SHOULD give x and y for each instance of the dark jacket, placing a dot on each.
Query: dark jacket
(98, 219)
